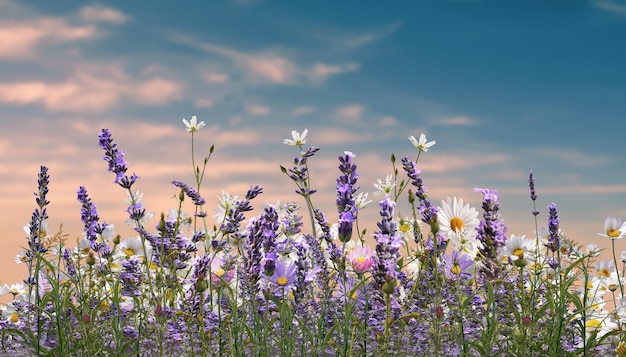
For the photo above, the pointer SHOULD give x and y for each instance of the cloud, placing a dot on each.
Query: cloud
(92, 88)
(456, 121)
(204, 103)
(214, 77)
(388, 121)
(299, 111)
(611, 6)
(257, 110)
(21, 40)
(269, 66)
(102, 14)
(374, 36)
(571, 158)
(349, 113)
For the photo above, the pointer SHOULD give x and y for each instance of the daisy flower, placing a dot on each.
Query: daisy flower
(518, 248)
(193, 125)
(458, 265)
(297, 139)
(421, 144)
(360, 201)
(384, 187)
(361, 258)
(284, 277)
(614, 228)
(130, 247)
(453, 216)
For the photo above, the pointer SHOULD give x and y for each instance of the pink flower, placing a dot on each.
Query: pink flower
(361, 258)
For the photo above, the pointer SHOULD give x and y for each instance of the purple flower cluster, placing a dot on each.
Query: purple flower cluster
(388, 242)
(36, 229)
(89, 216)
(346, 187)
(190, 192)
(115, 158)
(553, 228)
(426, 208)
(299, 173)
(533, 193)
(131, 277)
(491, 229)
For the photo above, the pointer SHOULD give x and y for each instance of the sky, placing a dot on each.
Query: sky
(502, 87)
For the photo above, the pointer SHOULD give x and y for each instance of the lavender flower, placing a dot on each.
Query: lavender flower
(491, 230)
(90, 218)
(346, 187)
(190, 192)
(115, 158)
(553, 228)
(388, 241)
(428, 211)
(37, 227)
(131, 277)
(533, 194)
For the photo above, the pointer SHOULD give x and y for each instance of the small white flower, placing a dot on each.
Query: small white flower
(421, 144)
(384, 187)
(193, 125)
(360, 201)
(297, 139)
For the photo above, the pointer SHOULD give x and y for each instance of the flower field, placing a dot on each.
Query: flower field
(249, 279)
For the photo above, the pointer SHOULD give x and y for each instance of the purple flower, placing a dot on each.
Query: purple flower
(346, 187)
(491, 231)
(458, 265)
(533, 194)
(115, 158)
(190, 192)
(284, 277)
(131, 277)
(38, 219)
(388, 242)
(553, 228)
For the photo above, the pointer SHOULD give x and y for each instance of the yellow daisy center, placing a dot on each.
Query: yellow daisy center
(219, 272)
(282, 281)
(129, 251)
(456, 224)
(518, 252)
(605, 273)
(456, 269)
(360, 260)
(405, 227)
(613, 233)
(14, 317)
(595, 323)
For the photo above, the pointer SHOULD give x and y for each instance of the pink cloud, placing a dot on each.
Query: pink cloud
(257, 110)
(350, 113)
(91, 88)
(102, 14)
(21, 40)
(458, 120)
(302, 110)
(213, 77)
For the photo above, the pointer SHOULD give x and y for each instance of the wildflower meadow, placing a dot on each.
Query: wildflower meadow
(250, 279)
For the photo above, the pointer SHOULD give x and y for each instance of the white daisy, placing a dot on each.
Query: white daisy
(384, 187)
(614, 228)
(131, 246)
(454, 216)
(466, 242)
(226, 202)
(421, 144)
(520, 248)
(193, 125)
(297, 139)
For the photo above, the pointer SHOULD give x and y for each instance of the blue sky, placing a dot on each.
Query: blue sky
(503, 87)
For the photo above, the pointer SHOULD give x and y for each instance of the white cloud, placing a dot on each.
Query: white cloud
(611, 6)
(374, 36)
(257, 110)
(102, 14)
